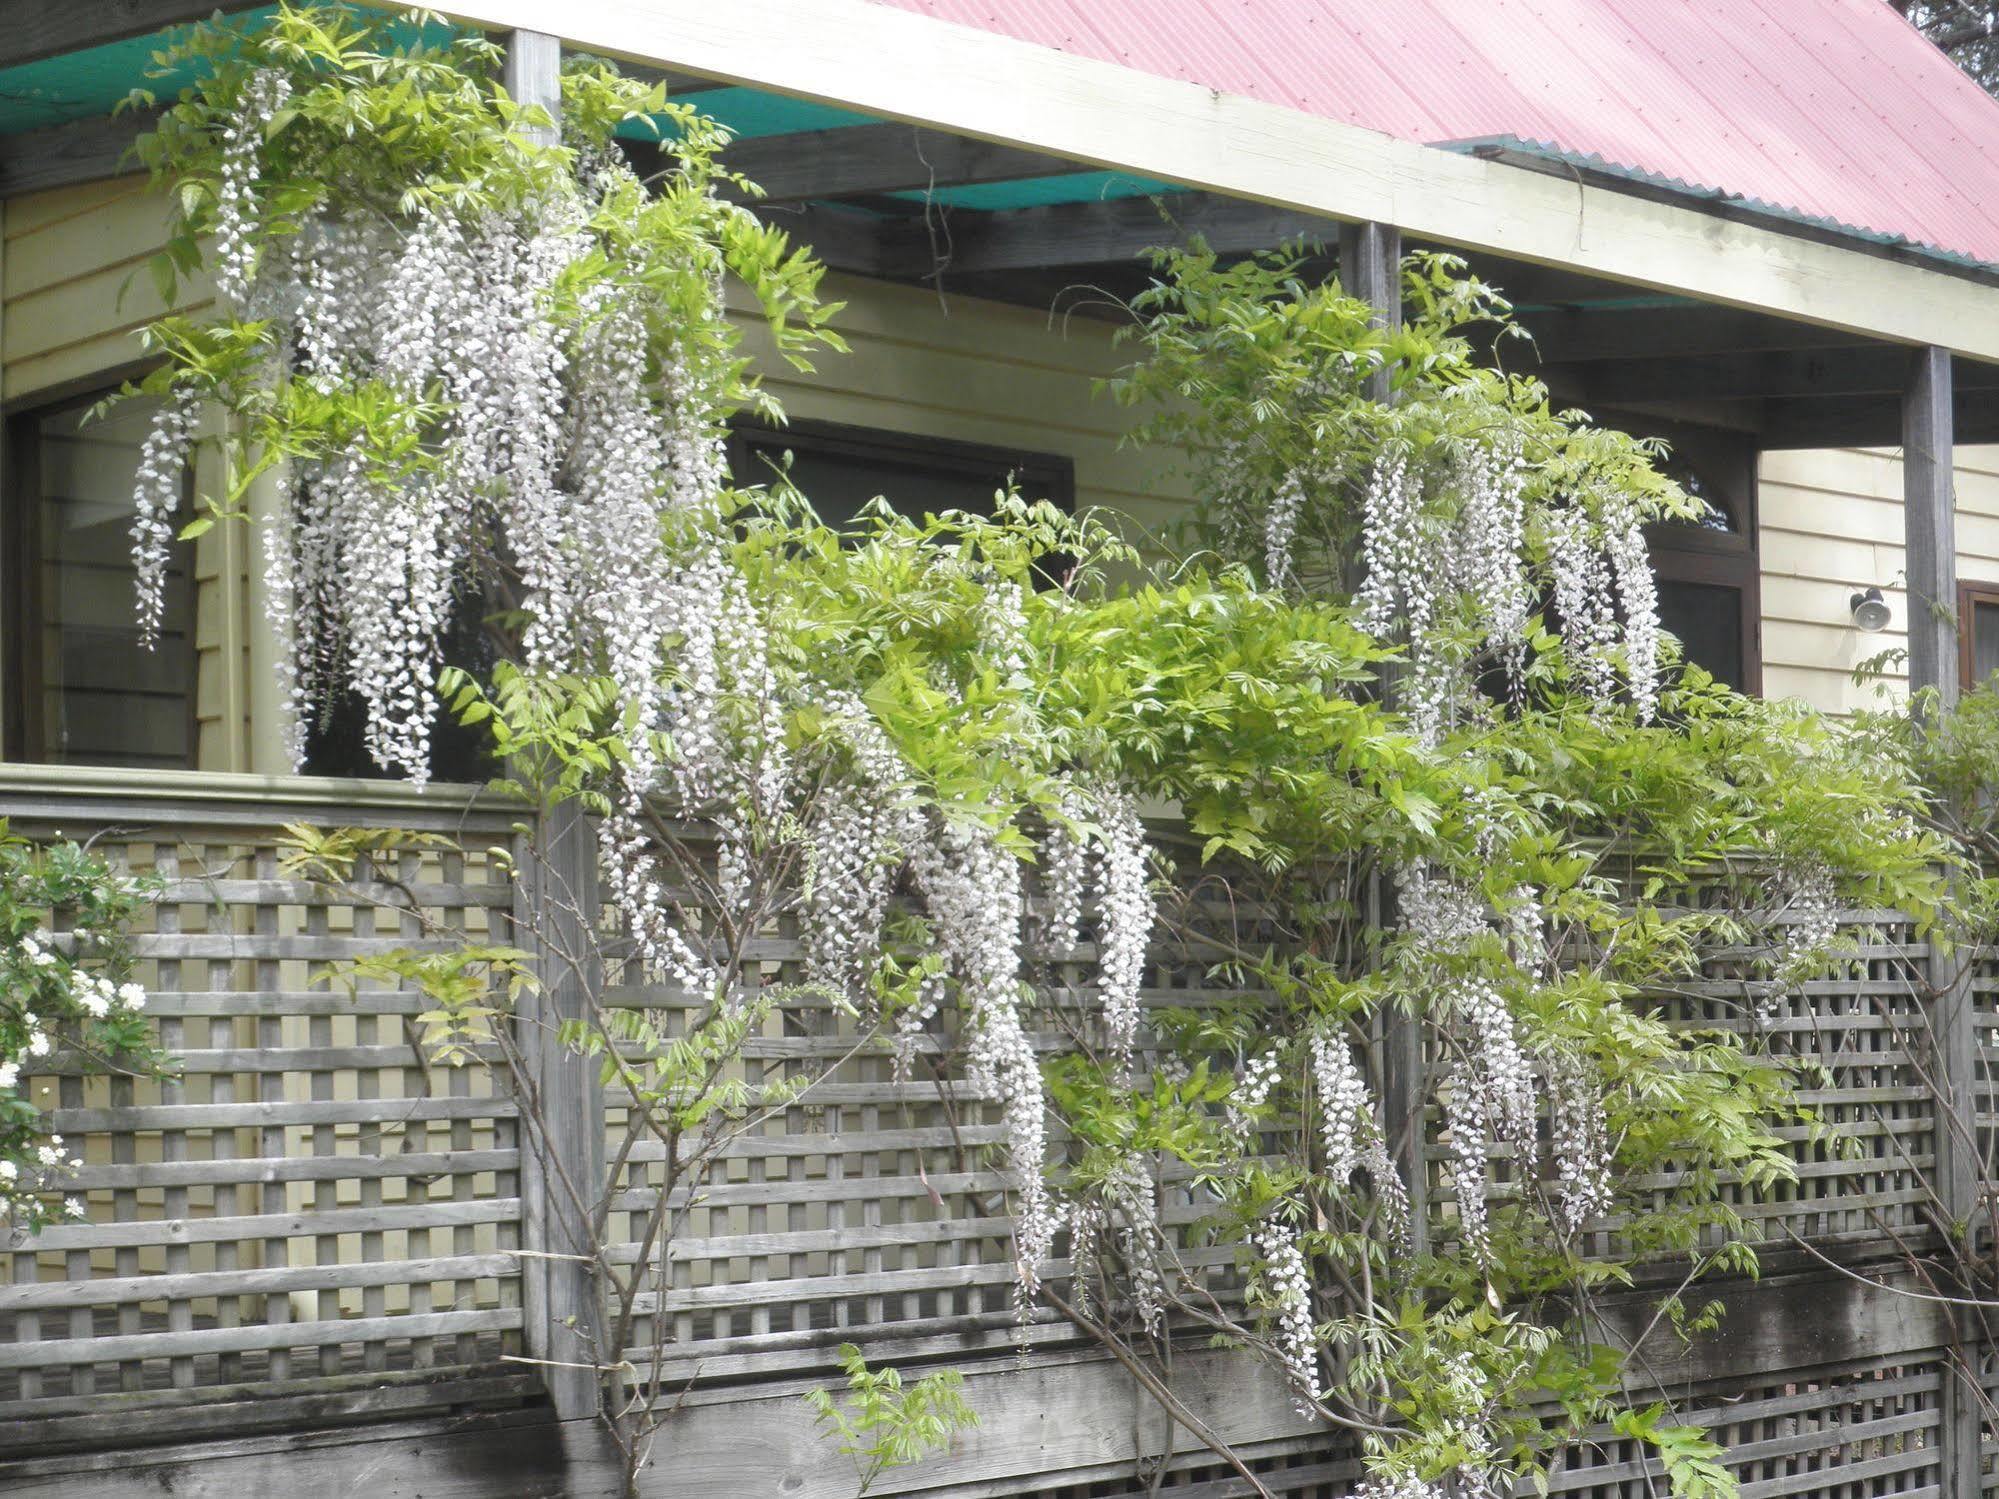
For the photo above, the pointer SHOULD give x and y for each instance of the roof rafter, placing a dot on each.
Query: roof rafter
(1880, 370)
(860, 160)
(37, 29)
(65, 155)
(1118, 229)
(1584, 332)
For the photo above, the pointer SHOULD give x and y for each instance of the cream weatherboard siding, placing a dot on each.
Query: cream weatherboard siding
(976, 371)
(1831, 523)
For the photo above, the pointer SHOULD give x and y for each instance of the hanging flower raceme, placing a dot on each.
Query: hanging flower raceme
(1287, 1289)
(517, 375)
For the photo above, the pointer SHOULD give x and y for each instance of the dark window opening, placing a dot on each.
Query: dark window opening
(80, 687)
(1708, 571)
(840, 468)
(336, 739)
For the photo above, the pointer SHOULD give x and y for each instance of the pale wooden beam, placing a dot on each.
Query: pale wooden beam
(858, 160)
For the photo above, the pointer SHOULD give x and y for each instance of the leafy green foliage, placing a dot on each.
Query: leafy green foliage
(1004, 659)
(881, 1423)
(1690, 1458)
(66, 992)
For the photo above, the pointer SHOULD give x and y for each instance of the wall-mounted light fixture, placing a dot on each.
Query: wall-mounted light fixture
(1870, 611)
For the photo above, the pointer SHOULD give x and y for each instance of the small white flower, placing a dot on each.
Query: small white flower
(73, 1206)
(10, 1074)
(8, 1170)
(39, 1044)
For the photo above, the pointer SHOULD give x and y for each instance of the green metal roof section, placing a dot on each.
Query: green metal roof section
(80, 85)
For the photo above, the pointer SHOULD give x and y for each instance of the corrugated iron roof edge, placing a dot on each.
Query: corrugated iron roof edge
(1543, 156)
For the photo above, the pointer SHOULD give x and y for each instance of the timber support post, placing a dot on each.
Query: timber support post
(1929, 518)
(562, 1124)
(563, 1186)
(1371, 269)
(534, 76)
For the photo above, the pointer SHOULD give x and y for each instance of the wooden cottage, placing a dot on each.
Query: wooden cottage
(1767, 230)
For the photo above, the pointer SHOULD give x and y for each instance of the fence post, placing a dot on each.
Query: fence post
(562, 1169)
(1929, 521)
(562, 1165)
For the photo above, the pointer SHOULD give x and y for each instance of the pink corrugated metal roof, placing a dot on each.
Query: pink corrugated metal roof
(1827, 110)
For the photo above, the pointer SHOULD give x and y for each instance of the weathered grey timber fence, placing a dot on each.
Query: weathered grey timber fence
(301, 1264)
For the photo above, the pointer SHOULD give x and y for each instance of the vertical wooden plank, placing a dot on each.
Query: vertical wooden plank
(534, 76)
(562, 1176)
(274, 1139)
(1929, 522)
(1371, 268)
(377, 1031)
(563, 1165)
(173, 1143)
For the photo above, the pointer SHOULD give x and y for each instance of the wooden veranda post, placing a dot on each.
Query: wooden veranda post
(563, 1161)
(534, 76)
(1929, 520)
(1371, 269)
(1929, 505)
(562, 1158)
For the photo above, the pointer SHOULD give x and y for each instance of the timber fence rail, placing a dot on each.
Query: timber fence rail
(310, 1224)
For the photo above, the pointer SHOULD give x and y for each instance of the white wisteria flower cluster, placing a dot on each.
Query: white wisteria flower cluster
(467, 379)
(1495, 1085)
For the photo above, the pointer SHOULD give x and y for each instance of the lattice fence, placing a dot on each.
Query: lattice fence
(305, 1198)
(308, 1206)
(873, 1209)
(1865, 1169)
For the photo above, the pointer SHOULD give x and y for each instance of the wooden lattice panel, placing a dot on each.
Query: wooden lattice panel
(874, 1209)
(1863, 1183)
(305, 1197)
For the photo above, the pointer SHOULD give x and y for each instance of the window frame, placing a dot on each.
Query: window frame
(1054, 472)
(1719, 559)
(23, 683)
(1970, 593)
